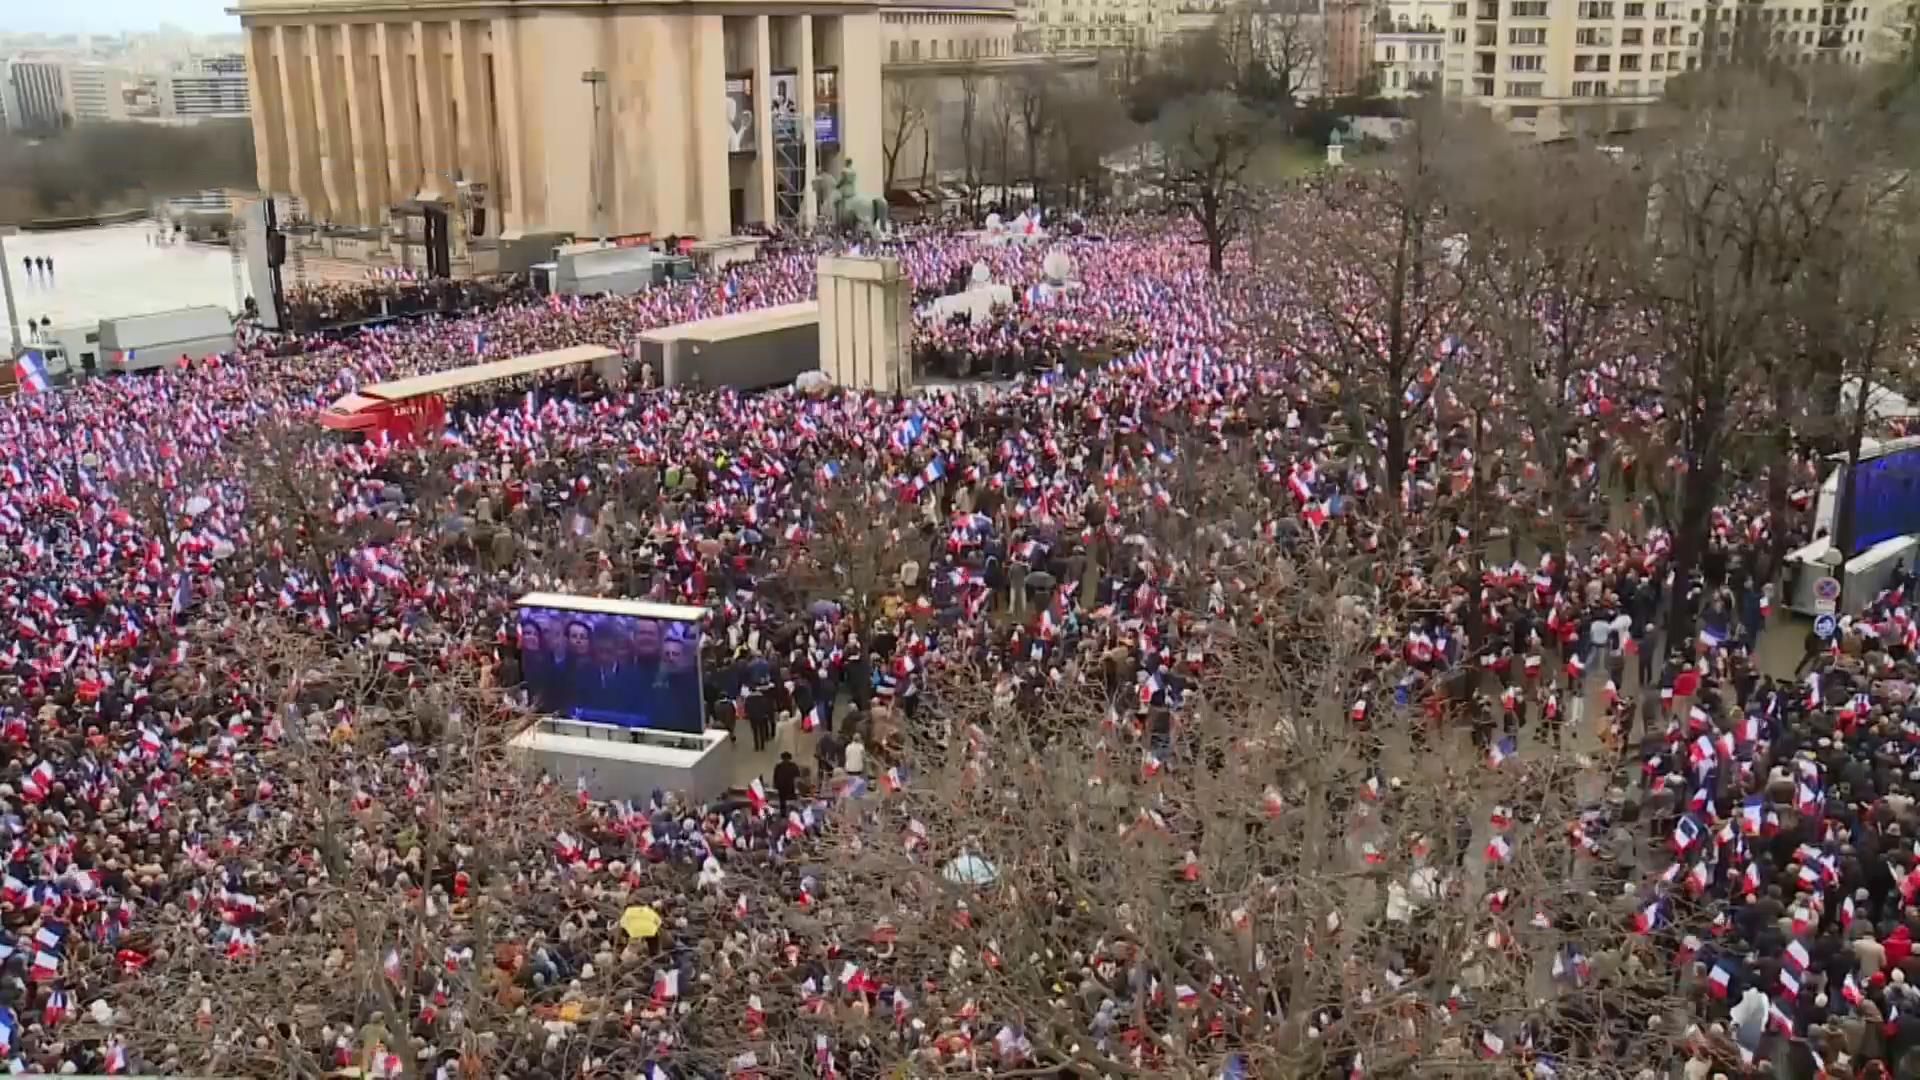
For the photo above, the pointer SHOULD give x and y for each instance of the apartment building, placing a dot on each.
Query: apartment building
(1566, 66)
(210, 89)
(1409, 46)
(1074, 25)
(96, 92)
(36, 95)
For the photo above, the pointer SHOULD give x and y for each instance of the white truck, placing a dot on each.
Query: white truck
(145, 342)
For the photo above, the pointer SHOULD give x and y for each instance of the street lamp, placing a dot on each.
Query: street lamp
(595, 79)
(6, 286)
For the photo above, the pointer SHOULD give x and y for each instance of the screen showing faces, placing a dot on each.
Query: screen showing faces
(612, 669)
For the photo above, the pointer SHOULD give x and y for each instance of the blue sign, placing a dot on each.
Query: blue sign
(1825, 626)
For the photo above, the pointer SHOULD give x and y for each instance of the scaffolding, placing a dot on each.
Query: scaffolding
(789, 176)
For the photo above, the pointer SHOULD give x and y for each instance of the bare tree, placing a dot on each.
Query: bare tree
(972, 148)
(1542, 235)
(1034, 92)
(1090, 125)
(907, 107)
(1284, 885)
(1207, 144)
(1385, 293)
(1758, 175)
(1275, 49)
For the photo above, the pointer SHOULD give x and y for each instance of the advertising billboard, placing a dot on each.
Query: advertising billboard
(785, 105)
(741, 137)
(826, 106)
(617, 662)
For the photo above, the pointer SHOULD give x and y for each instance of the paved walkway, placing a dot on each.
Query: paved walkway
(115, 270)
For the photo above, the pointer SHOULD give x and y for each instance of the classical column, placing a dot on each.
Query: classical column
(511, 200)
(473, 139)
(365, 123)
(763, 114)
(809, 206)
(708, 78)
(430, 90)
(270, 119)
(397, 95)
(303, 169)
(861, 97)
(329, 120)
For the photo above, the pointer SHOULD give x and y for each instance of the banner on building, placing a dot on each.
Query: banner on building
(786, 105)
(741, 136)
(826, 106)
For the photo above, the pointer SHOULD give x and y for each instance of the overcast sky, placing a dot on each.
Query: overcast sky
(107, 16)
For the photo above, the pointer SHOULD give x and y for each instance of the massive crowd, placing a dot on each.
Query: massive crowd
(156, 801)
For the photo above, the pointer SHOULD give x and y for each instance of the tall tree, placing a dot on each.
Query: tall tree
(1383, 293)
(1207, 145)
(1758, 174)
(1542, 232)
(907, 108)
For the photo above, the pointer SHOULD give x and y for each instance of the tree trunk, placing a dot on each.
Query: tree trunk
(1777, 501)
(1396, 447)
(1698, 489)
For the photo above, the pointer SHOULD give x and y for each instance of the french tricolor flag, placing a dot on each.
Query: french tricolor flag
(1851, 991)
(1720, 980)
(1647, 919)
(1501, 751)
(1779, 1019)
(30, 371)
(1798, 956)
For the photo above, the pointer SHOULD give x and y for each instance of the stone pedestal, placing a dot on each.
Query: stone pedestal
(866, 326)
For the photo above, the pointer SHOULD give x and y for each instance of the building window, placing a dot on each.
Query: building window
(1526, 62)
(1593, 39)
(1635, 11)
(1523, 89)
(1459, 35)
(1459, 11)
(1629, 62)
(1629, 87)
(1527, 35)
(916, 48)
(1390, 54)
(1394, 79)
(1596, 9)
(1528, 9)
(893, 51)
(1631, 37)
(1660, 36)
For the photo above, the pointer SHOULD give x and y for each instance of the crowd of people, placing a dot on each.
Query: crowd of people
(1065, 529)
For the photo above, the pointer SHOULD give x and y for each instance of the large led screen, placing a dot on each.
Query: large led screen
(606, 668)
(1886, 499)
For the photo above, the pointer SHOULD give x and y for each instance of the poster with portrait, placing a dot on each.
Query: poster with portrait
(826, 106)
(610, 668)
(741, 136)
(785, 105)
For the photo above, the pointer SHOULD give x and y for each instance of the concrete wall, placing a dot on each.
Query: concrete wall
(865, 323)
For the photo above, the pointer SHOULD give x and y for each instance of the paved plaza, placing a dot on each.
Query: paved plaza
(117, 270)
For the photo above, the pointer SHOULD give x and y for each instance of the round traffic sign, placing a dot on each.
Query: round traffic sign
(1827, 588)
(1825, 626)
